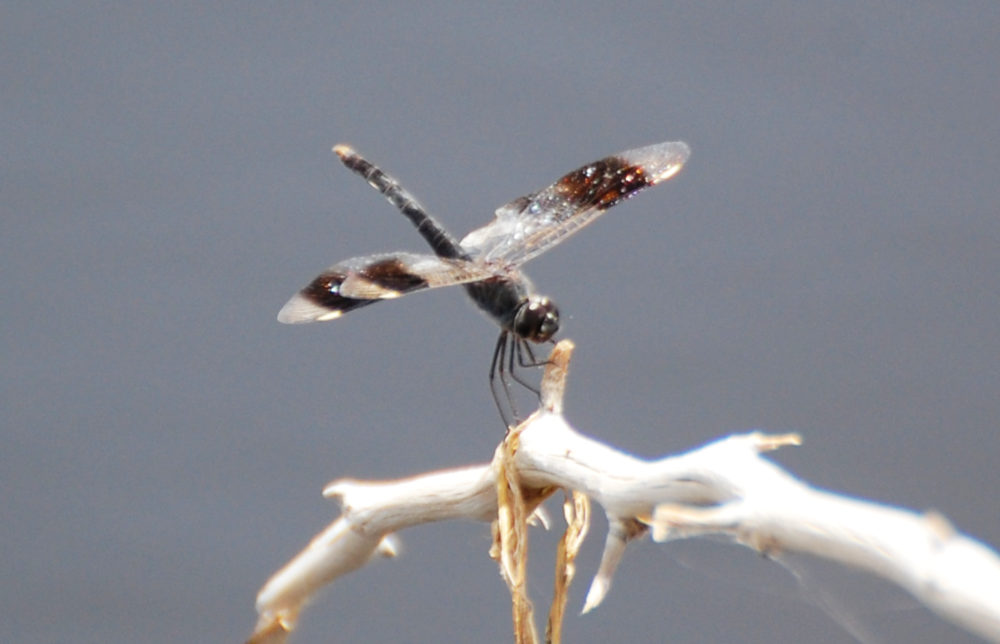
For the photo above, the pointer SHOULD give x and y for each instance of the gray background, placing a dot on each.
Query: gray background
(826, 263)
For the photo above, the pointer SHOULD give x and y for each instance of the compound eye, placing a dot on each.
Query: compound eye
(537, 320)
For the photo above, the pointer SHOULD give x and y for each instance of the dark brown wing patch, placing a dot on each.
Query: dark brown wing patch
(384, 279)
(391, 274)
(362, 280)
(603, 184)
(324, 292)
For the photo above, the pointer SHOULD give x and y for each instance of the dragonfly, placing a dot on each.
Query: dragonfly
(488, 260)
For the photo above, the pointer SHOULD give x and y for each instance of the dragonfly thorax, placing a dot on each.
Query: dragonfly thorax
(536, 319)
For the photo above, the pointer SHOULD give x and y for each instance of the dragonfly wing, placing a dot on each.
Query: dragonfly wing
(363, 280)
(530, 225)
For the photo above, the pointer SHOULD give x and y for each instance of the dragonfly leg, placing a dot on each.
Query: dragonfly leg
(525, 360)
(502, 394)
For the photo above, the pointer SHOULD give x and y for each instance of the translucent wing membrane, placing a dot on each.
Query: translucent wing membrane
(534, 223)
(362, 280)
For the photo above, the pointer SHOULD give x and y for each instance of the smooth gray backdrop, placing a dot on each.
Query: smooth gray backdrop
(828, 263)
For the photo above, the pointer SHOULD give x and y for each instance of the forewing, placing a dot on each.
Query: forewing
(363, 280)
(534, 223)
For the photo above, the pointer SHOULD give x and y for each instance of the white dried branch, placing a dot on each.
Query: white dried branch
(724, 487)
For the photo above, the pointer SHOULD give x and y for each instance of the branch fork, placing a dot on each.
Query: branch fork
(723, 488)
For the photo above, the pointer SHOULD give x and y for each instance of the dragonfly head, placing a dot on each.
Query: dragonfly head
(537, 319)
